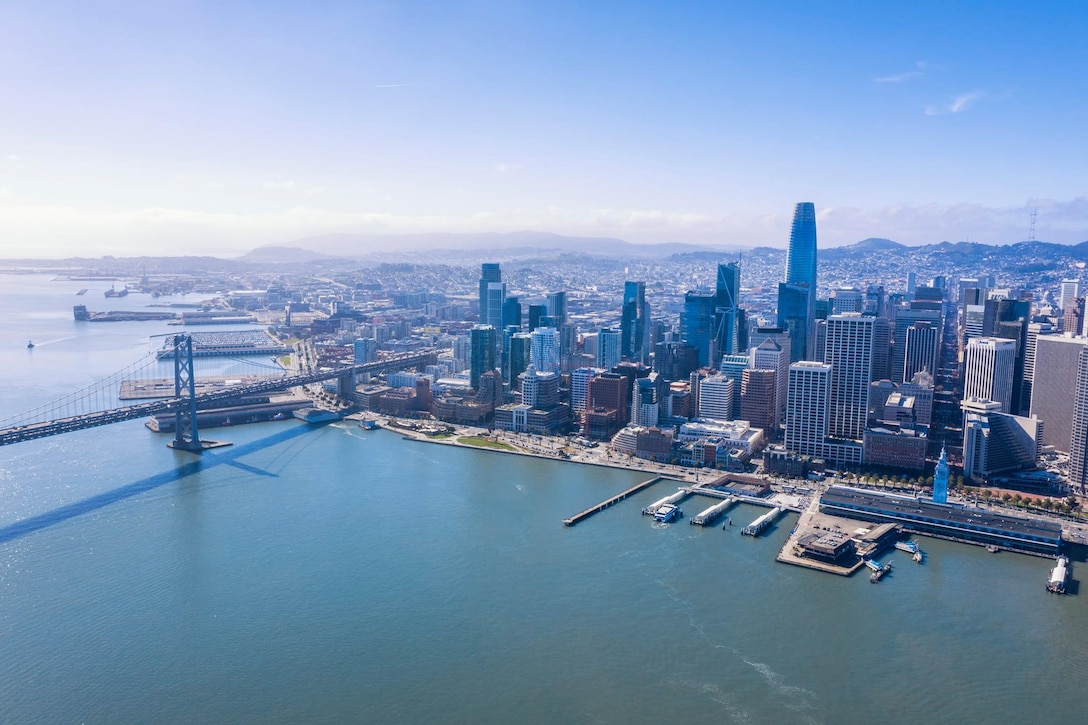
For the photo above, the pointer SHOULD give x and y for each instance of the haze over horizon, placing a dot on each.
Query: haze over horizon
(199, 128)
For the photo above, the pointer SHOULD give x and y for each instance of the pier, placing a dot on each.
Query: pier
(675, 498)
(707, 517)
(609, 501)
(759, 525)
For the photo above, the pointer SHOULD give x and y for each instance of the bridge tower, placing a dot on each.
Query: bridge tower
(186, 434)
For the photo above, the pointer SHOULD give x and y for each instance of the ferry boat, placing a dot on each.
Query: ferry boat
(667, 512)
(878, 569)
(911, 548)
(1058, 576)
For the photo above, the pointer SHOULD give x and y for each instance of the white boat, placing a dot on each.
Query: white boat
(667, 512)
(1058, 576)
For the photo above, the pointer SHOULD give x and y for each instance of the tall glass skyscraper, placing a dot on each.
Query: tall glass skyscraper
(633, 321)
(697, 326)
(489, 272)
(801, 270)
(727, 310)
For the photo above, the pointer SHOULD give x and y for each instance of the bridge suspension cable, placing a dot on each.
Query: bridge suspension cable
(98, 396)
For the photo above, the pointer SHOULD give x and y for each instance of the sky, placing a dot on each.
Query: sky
(216, 127)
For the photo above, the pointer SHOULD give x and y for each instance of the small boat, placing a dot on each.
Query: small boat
(30, 345)
(992, 548)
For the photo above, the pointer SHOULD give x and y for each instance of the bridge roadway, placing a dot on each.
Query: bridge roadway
(42, 429)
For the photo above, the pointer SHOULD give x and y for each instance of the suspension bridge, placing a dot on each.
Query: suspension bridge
(98, 403)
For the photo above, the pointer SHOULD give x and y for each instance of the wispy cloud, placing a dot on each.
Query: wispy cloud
(957, 105)
(920, 68)
(13, 158)
(394, 85)
(505, 168)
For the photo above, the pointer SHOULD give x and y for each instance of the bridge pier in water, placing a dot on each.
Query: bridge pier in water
(186, 429)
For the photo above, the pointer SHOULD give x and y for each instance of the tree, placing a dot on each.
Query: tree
(1006, 497)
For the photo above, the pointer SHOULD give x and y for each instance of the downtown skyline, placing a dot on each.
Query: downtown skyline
(201, 128)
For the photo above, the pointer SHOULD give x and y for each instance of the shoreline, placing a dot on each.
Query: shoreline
(1075, 534)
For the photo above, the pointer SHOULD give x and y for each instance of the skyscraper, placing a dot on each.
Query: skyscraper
(633, 322)
(483, 353)
(793, 310)
(727, 309)
(905, 317)
(697, 326)
(733, 367)
(511, 313)
(609, 347)
(989, 370)
(557, 308)
(1070, 291)
(806, 408)
(801, 264)
(1078, 448)
(716, 397)
(489, 273)
(922, 349)
(544, 349)
(1058, 360)
(769, 355)
(849, 352)
(494, 300)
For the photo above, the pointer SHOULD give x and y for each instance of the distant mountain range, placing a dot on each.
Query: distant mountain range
(450, 247)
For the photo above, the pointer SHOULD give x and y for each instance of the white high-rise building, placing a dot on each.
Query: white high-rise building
(989, 369)
(716, 397)
(733, 367)
(579, 387)
(849, 352)
(609, 348)
(806, 407)
(544, 349)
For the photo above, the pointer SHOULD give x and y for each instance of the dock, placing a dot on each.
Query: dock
(671, 499)
(759, 525)
(707, 517)
(609, 501)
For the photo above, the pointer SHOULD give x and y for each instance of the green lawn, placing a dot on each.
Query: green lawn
(486, 443)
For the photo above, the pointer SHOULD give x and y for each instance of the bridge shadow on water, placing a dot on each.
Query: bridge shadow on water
(204, 462)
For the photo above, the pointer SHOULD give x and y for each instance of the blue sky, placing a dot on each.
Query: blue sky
(137, 127)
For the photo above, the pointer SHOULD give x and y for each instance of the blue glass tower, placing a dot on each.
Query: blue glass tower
(801, 270)
(633, 320)
(697, 326)
(940, 480)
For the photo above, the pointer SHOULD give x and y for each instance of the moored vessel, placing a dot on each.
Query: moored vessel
(1058, 576)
